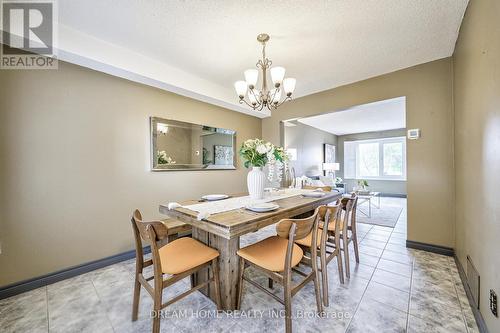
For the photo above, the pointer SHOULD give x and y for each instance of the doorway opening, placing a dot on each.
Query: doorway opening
(360, 149)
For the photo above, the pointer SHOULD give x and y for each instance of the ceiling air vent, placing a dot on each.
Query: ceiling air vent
(473, 281)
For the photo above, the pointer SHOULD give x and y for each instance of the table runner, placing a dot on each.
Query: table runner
(214, 207)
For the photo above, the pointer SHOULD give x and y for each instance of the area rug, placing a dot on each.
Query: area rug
(386, 216)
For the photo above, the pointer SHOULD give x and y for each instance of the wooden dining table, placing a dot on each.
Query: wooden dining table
(222, 231)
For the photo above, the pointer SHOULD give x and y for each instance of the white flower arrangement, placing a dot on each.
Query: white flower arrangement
(258, 153)
(163, 158)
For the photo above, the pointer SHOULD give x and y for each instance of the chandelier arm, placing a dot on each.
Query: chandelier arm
(261, 106)
(287, 98)
(253, 93)
(250, 105)
(275, 92)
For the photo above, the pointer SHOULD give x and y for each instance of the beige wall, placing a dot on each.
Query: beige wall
(477, 146)
(309, 144)
(384, 186)
(74, 147)
(428, 91)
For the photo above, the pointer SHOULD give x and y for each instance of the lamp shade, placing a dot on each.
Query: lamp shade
(241, 88)
(331, 166)
(251, 76)
(277, 74)
(289, 85)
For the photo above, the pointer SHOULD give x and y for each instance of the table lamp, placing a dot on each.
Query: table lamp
(330, 168)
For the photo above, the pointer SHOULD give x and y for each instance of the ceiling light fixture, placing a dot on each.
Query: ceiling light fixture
(269, 98)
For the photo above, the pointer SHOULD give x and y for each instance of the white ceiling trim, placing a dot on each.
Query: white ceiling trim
(377, 116)
(84, 50)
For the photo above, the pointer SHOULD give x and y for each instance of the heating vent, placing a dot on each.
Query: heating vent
(473, 281)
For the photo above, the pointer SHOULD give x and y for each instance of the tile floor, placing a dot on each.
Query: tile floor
(393, 289)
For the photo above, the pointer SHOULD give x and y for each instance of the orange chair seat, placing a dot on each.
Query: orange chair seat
(183, 254)
(307, 241)
(270, 253)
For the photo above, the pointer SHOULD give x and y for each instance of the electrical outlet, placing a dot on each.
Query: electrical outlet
(493, 303)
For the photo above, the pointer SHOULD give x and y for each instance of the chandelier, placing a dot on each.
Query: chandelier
(265, 97)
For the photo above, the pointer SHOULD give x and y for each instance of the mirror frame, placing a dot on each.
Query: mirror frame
(193, 167)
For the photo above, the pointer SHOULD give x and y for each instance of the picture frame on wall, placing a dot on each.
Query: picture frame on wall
(328, 154)
(223, 155)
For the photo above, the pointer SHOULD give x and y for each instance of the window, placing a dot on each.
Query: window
(375, 159)
(368, 165)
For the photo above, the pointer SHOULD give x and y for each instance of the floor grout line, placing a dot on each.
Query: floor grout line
(102, 305)
(47, 300)
(360, 300)
(369, 281)
(411, 275)
(464, 319)
(409, 296)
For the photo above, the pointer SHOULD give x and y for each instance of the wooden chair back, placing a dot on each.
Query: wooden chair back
(155, 233)
(295, 229)
(140, 227)
(324, 188)
(301, 227)
(349, 206)
(329, 214)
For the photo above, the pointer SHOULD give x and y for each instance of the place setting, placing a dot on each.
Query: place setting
(213, 197)
(262, 207)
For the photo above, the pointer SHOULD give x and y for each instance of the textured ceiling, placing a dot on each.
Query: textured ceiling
(323, 44)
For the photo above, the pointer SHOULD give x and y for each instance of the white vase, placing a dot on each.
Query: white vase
(255, 181)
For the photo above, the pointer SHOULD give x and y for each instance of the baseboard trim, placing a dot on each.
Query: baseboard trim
(447, 251)
(41, 281)
(479, 318)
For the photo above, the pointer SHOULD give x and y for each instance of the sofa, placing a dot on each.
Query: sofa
(325, 181)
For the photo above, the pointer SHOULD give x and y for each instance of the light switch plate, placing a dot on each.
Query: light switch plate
(414, 134)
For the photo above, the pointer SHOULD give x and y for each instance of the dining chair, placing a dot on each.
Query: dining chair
(172, 260)
(277, 257)
(328, 249)
(176, 228)
(311, 187)
(349, 232)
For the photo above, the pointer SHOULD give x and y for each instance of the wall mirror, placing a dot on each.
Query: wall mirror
(177, 145)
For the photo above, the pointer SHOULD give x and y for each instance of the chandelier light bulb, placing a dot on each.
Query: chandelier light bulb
(289, 85)
(277, 74)
(251, 77)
